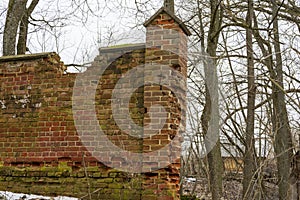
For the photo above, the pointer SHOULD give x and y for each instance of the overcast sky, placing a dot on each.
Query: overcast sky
(84, 26)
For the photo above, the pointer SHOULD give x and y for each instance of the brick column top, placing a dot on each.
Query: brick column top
(176, 19)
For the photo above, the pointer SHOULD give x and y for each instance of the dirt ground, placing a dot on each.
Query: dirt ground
(232, 189)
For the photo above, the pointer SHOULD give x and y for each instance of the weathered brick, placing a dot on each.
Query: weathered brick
(39, 130)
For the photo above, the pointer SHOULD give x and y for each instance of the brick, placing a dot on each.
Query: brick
(45, 135)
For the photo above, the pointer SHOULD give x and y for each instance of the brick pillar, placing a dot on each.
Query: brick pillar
(164, 101)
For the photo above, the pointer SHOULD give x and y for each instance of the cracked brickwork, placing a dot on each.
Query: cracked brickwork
(40, 149)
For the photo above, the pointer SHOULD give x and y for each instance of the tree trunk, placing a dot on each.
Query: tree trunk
(21, 47)
(23, 32)
(283, 137)
(294, 190)
(210, 116)
(249, 156)
(16, 10)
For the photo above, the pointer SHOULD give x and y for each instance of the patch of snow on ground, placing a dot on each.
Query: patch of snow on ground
(21, 196)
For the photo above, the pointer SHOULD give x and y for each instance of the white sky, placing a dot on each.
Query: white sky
(85, 29)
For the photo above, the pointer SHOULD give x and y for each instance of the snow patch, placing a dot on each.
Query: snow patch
(17, 196)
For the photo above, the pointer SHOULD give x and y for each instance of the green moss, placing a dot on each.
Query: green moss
(92, 169)
(115, 185)
(49, 169)
(62, 180)
(130, 194)
(63, 167)
(103, 126)
(5, 171)
(21, 172)
(97, 175)
(51, 174)
(80, 174)
(102, 185)
(105, 180)
(147, 192)
(113, 174)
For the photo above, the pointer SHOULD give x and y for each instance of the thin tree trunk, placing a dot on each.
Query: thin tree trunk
(210, 116)
(249, 156)
(16, 9)
(21, 47)
(283, 138)
(23, 32)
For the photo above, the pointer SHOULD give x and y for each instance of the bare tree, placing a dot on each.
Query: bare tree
(283, 139)
(249, 156)
(210, 116)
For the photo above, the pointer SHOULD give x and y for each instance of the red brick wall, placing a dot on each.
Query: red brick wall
(36, 117)
(42, 148)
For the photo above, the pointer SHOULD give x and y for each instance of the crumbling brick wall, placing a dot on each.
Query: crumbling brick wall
(42, 147)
